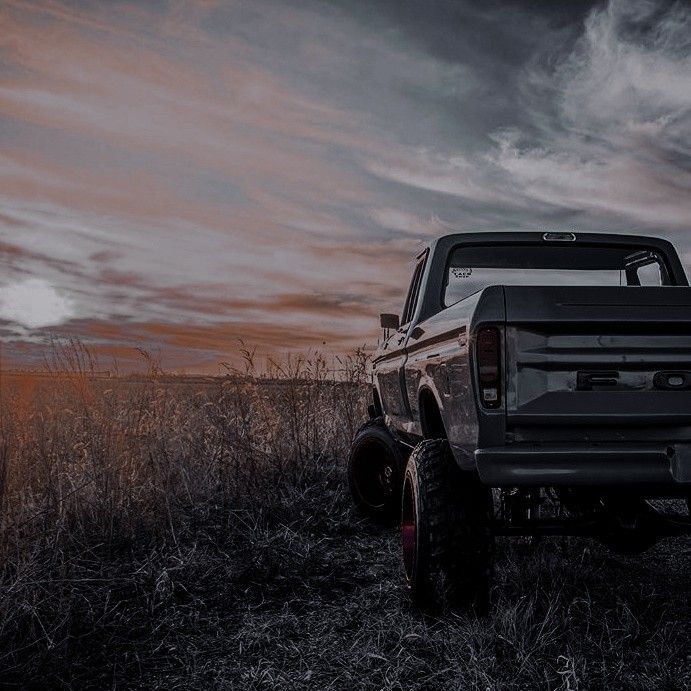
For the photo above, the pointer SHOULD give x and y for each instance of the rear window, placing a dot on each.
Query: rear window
(471, 269)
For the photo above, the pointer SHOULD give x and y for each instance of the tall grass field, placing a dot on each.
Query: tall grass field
(169, 532)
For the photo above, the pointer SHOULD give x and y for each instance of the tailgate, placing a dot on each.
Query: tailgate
(598, 355)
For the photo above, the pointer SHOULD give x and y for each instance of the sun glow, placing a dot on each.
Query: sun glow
(34, 303)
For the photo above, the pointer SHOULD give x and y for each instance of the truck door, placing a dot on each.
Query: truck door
(389, 367)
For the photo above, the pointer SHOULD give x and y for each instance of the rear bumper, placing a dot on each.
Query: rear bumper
(585, 465)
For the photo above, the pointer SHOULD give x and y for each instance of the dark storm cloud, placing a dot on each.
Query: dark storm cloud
(268, 167)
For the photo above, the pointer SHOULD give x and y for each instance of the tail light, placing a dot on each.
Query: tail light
(489, 366)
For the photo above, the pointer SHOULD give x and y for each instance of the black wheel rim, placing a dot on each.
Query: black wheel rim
(374, 472)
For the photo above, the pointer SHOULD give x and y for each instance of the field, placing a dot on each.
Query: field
(172, 533)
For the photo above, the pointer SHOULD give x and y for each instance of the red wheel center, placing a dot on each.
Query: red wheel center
(408, 529)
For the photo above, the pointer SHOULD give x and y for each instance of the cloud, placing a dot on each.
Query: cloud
(269, 170)
(603, 131)
(617, 144)
(630, 71)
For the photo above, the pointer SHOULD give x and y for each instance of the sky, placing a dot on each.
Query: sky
(180, 176)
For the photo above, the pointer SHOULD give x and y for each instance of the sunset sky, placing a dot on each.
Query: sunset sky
(181, 175)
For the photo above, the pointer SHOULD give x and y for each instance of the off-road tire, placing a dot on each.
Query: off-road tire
(446, 532)
(376, 464)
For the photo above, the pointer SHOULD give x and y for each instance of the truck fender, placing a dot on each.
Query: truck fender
(430, 410)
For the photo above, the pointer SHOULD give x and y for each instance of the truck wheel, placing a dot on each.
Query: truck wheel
(448, 545)
(375, 471)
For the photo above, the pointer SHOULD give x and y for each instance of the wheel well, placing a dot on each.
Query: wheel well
(430, 416)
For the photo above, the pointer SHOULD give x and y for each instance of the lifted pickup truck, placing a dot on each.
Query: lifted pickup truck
(528, 372)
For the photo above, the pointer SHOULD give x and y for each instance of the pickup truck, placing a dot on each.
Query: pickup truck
(534, 384)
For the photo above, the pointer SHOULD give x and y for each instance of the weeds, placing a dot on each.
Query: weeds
(167, 532)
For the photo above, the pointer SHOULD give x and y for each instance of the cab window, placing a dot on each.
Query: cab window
(414, 291)
(473, 268)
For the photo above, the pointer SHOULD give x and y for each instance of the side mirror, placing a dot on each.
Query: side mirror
(389, 321)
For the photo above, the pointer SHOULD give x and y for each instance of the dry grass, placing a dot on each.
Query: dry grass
(177, 534)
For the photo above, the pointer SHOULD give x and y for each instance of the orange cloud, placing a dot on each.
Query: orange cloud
(178, 189)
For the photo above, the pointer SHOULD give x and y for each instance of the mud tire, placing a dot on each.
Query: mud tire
(448, 546)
